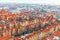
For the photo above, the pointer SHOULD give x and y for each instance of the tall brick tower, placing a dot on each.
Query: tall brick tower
(3, 11)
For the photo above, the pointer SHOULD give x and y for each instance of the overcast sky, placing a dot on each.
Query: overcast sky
(51, 2)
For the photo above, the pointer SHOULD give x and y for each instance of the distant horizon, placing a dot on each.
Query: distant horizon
(27, 4)
(42, 2)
